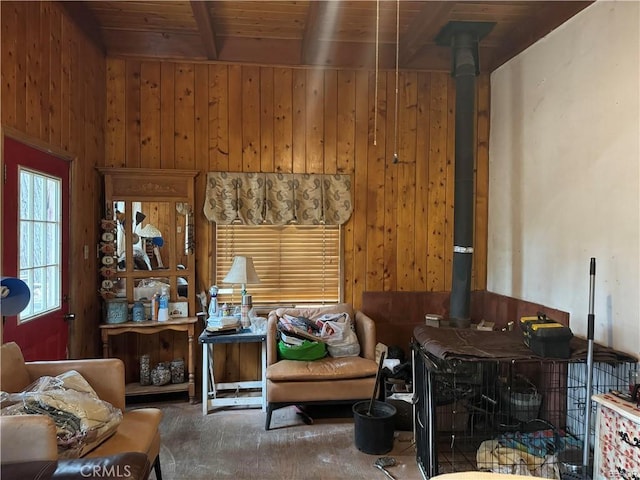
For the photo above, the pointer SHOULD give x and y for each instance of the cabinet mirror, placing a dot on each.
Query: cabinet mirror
(142, 240)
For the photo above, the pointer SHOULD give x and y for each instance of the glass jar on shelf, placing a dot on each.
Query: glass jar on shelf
(177, 370)
(161, 374)
(145, 372)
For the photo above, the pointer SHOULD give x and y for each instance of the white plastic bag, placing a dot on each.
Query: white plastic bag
(339, 334)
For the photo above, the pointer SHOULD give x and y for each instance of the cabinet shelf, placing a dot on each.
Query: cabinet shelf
(186, 325)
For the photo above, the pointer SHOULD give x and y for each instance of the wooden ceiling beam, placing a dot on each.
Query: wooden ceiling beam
(205, 27)
(86, 22)
(423, 29)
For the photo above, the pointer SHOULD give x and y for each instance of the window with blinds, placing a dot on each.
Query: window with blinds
(297, 264)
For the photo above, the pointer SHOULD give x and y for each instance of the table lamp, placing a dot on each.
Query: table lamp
(242, 271)
(152, 232)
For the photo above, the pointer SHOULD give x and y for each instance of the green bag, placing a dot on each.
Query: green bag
(307, 351)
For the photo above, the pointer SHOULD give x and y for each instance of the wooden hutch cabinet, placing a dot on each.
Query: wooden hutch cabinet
(146, 245)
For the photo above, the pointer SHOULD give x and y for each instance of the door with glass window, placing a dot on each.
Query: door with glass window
(35, 208)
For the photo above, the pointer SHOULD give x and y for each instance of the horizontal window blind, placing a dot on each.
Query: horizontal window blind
(296, 263)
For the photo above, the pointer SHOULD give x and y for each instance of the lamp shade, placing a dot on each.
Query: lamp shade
(150, 231)
(242, 271)
(15, 296)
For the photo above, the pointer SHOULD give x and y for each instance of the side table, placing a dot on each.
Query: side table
(211, 389)
(186, 325)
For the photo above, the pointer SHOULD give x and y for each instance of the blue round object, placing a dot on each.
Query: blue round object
(15, 296)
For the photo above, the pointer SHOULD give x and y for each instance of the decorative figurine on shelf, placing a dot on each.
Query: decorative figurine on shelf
(213, 303)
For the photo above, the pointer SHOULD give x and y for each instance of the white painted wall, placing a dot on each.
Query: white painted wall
(565, 172)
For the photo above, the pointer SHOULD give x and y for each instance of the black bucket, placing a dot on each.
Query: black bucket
(374, 433)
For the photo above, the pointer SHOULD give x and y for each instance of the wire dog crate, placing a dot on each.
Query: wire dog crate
(519, 415)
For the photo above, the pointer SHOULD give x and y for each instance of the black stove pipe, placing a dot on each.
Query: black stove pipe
(463, 38)
(465, 68)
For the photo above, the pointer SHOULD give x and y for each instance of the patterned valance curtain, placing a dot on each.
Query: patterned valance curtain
(277, 198)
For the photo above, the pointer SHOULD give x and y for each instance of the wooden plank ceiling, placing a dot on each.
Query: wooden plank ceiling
(334, 33)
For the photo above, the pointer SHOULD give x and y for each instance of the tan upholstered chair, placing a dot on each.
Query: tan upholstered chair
(32, 438)
(328, 380)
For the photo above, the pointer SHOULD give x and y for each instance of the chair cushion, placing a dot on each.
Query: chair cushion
(327, 368)
(136, 433)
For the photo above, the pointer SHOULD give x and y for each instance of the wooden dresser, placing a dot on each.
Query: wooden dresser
(617, 448)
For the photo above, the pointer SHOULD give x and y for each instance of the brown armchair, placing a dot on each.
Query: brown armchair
(32, 438)
(328, 380)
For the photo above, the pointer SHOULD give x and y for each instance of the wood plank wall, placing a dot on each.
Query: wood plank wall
(250, 118)
(263, 119)
(53, 96)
